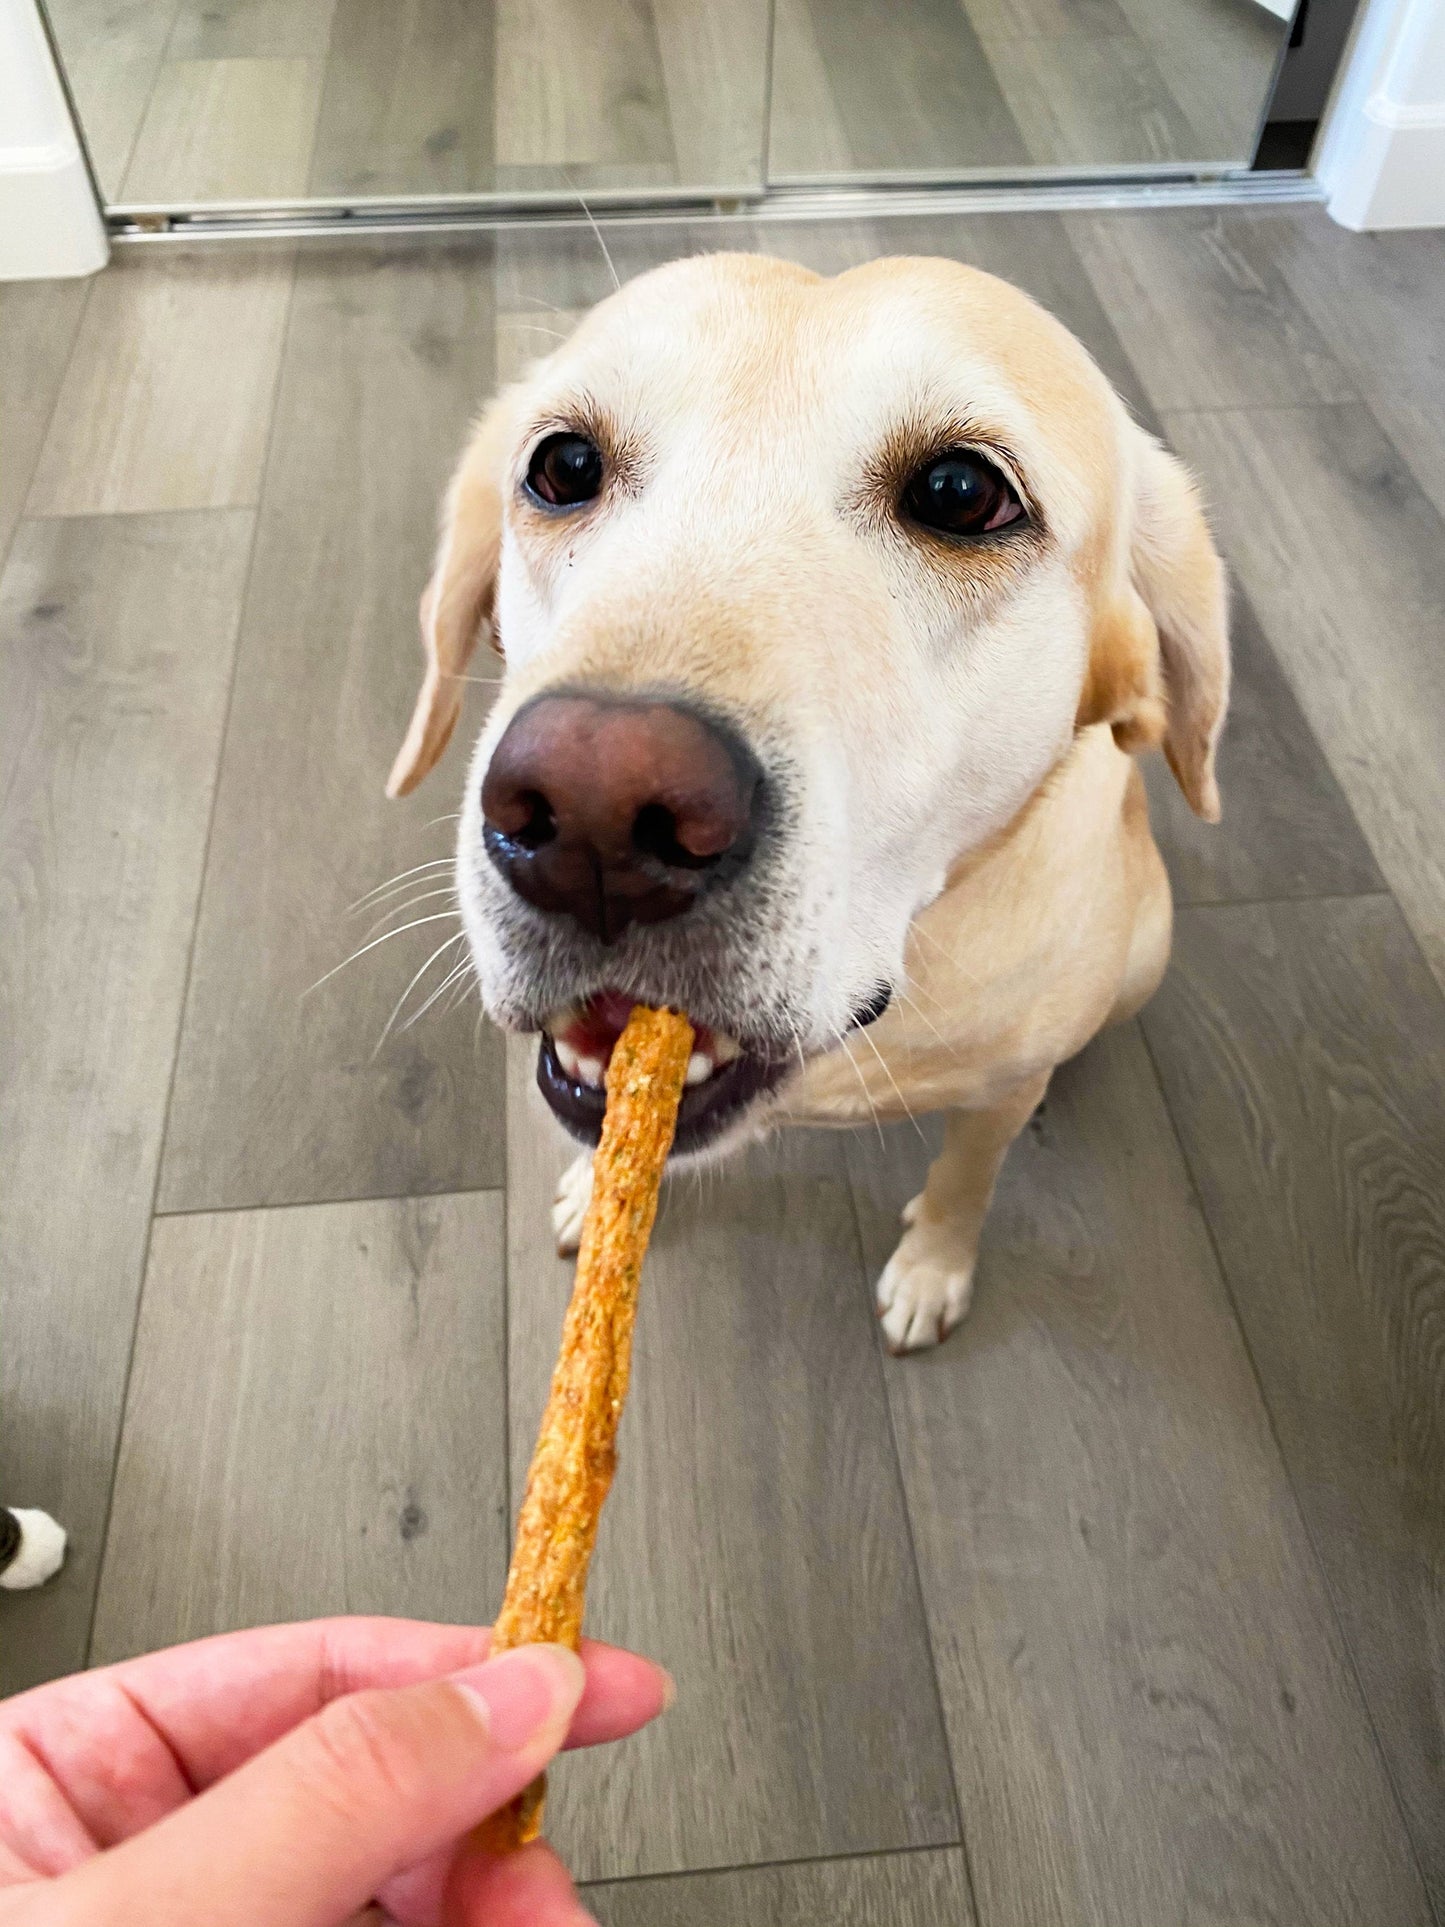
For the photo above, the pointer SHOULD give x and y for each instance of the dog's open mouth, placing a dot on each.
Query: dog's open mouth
(724, 1074)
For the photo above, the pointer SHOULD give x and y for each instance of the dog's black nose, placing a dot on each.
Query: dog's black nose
(614, 811)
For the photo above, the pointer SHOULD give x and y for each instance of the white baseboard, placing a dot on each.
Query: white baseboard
(50, 224)
(1381, 153)
(1396, 177)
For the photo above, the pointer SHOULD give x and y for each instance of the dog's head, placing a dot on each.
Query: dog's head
(802, 587)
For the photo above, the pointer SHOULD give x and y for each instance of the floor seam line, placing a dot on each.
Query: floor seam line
(1346, 1644)
(927, 1628)
(103, 1536)
(772, 1866)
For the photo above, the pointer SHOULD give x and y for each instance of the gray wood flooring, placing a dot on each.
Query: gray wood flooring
(234, 100)
(1126, 1605)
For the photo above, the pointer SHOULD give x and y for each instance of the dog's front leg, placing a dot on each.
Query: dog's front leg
(570, 1202)
(927, 1283)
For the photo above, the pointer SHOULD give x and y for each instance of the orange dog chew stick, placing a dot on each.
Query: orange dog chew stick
(576, 1454)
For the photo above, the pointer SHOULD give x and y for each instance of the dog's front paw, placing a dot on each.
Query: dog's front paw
(569, 1206)
(926, 1284)
(32, 1547)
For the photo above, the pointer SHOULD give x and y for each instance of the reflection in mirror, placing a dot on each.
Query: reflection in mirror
(187, 103)
(947, 89)
(239, 100)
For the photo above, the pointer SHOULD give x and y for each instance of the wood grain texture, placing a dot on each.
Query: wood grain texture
(995, 20)
(884, 1890)
(1377, 299)
(579, 84)
(38, 323)
(116, 646)
(1287, 830)
(315, 1422)
(1344, 559)
(112, 52)
(166, 403)
(754, 1540)
(406, 107)
(1204, 311)
(1217, 60)
(806, 136)
(714, 57)
(1152, 1714)
(1086, 101)
(225, 130)
(282, 1094)
(250, 30)
(1302, 1048)
(913, 87)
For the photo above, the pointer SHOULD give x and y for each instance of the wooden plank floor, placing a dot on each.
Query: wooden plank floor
(1126, 1605)
(225, 100)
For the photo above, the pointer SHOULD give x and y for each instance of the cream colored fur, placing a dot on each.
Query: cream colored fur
(969, 824)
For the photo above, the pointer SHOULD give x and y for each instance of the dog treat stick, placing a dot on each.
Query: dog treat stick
(575, 1455)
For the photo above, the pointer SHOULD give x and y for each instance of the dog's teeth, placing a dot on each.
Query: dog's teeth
(567, 1056)
(699, 1068)
(590, 1070)
(725, 1048)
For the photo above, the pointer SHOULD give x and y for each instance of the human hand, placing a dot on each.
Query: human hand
(287, 1777)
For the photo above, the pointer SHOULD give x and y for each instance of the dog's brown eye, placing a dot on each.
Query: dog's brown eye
(564, 470)
(959, 493)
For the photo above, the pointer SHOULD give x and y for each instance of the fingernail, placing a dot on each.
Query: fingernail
(525, 1692)
(669, 1687)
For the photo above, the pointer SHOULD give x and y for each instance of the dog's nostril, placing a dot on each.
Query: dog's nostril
(655, 834)
(615, 811)
(539, 826)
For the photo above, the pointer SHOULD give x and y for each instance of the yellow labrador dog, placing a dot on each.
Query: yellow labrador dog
(832, 613)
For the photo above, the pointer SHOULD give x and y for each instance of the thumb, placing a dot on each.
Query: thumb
(306, 1832)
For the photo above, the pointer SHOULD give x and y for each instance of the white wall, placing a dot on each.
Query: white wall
(49, 221)
(1381, 158)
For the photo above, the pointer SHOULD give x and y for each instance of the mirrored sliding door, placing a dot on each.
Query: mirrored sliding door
(360, 104)
(955, 90)
(205, 102)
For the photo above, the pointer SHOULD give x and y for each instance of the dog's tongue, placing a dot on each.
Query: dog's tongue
(585, 1037)
(599, 1023)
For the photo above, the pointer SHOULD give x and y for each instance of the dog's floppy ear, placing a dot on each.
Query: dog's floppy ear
(1159, 657)
(458, 600)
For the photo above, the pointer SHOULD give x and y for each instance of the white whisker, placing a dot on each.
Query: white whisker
(400, 909)
(916, 929)
(456, 971)
(535, 301)
(893, 1081)
(441, 916)
(913, 1004)
(459, 995)
(842, 1041)
(396, 1008)
(606, 256)
(863, 1086)
(397, 882)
